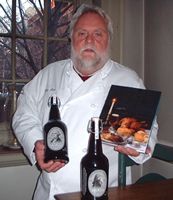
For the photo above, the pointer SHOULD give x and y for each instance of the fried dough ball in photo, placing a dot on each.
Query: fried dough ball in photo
(141, 136)
(123, 131)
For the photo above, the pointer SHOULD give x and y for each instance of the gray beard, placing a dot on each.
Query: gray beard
(96, 63)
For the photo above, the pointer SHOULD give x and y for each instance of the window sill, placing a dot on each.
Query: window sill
(11, 158)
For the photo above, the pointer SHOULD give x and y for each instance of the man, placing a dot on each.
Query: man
(82, 84)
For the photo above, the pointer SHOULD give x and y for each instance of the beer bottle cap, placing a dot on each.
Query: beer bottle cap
(54, 100)
(95, 125)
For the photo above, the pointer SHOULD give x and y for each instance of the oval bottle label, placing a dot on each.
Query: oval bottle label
(97, 183)
(55, 139)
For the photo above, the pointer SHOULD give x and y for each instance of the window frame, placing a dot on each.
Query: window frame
(10, 157)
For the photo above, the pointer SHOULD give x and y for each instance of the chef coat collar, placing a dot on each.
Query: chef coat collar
(104, 71)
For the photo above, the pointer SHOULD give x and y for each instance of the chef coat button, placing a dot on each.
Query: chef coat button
(84, 150)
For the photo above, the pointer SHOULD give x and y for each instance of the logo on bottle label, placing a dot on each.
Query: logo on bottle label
(97, 183)
(55, 139)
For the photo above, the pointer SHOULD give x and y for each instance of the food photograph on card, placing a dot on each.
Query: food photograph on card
(128, 115)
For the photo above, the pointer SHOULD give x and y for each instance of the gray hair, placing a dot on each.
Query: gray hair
(85, 8)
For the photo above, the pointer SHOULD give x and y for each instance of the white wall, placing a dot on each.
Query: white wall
(158, 166)
(147, 48)
(113, 8)
(132, 47)
(159, 60)
(17, 183)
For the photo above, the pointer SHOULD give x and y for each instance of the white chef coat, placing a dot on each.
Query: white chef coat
(80, 100)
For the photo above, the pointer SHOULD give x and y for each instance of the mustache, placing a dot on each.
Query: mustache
(88, 47)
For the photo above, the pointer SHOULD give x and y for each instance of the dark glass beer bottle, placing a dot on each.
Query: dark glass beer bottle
(55, 132)
(94, 166)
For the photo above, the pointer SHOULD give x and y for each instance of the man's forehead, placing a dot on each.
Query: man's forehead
(96, 21)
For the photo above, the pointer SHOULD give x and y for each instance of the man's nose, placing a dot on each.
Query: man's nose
(90, 38)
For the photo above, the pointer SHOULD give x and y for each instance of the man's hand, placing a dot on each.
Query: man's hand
(126, 150)
(50, 166)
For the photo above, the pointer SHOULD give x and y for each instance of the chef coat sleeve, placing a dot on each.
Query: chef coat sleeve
(26, 122)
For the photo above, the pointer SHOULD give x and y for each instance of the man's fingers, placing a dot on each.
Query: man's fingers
(52, 166)
(126, 150)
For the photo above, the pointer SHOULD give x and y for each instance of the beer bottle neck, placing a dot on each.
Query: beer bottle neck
(95, 145)
(54, 113)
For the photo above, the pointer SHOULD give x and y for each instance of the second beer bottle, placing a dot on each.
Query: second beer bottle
(94, 166)
(55, 132)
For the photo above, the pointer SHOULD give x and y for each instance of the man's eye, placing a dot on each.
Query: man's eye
(82, 34)
(98, 34)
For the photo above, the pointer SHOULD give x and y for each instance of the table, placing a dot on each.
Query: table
(160, 190)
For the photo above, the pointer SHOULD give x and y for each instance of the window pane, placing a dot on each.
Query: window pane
(7, 99)
(5, 16)
(4, 103)
(5, 58)
(40, 37)
(5, 108)
(8, 96)
(59, 16)
(29, 58)
(58, 50)
(29, 17)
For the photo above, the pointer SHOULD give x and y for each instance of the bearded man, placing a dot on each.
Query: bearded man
(82, 84)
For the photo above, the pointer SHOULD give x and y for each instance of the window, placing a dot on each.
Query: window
(33, 33)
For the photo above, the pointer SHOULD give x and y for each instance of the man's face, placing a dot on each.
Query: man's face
(90, 41)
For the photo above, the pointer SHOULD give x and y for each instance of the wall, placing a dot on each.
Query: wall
(132, 47)
(18, 183)
(147, 48)
(113, 8)
(159, 70)
(159, 59)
